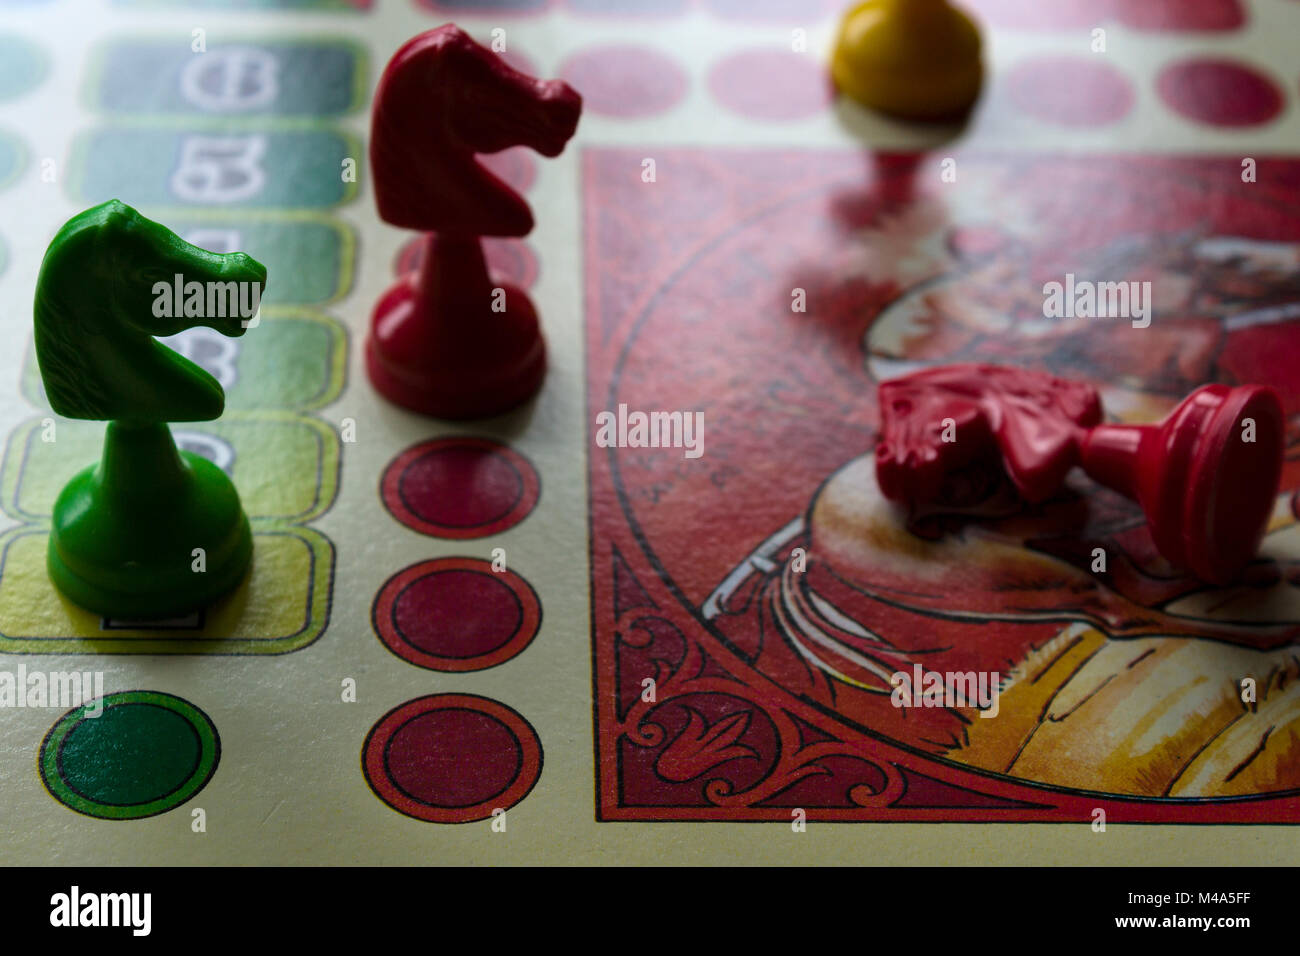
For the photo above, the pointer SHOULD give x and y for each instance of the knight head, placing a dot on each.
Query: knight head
(163, 285)
(497, 106)
(110, 283)
(442, 99)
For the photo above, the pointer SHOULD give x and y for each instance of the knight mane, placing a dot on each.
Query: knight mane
(73, 384)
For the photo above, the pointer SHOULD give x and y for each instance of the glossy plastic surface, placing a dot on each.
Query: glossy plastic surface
(149, 532)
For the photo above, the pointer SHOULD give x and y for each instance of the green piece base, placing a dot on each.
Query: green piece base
(125, 532)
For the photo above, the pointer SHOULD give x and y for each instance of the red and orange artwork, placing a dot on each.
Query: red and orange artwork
(752, 607)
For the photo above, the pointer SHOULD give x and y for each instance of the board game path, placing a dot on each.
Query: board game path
(460, 488)
(147, 752)
(456, 614)
(452, 758)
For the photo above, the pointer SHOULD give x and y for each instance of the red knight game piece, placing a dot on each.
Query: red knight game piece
(1205, 478)
(448, 340)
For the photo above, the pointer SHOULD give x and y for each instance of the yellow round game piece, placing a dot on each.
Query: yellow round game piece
(917, 59)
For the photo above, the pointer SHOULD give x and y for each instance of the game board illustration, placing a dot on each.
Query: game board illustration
(771, 598)
(475, 631)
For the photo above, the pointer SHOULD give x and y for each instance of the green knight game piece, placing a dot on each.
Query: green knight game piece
(151, 531)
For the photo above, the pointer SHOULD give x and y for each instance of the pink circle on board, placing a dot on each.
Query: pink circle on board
(628, 82)
(767, 84)
(510, 260)
(453, 758)
(483, 8)
(1070, 91)
(630, 9)
(516, 166)
(803, 11)
(1219, 92)
(1181, 15)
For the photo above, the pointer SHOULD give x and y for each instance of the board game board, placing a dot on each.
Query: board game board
(581, 653)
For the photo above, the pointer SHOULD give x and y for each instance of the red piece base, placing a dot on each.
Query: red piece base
(1231, 485)
(494, 363)
(1206, 492)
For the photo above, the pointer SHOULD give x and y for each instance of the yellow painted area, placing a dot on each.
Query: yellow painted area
(1260, 751)
(285, 465)
(1158, 717)
(280, 607)
(996, 743)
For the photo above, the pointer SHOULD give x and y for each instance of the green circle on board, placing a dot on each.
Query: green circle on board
(22, 66)
(146, 753)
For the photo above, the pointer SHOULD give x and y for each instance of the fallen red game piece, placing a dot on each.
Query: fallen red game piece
(1207, 492)
(448, 340)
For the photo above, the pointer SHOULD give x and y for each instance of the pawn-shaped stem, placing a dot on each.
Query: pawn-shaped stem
(140, 463)
(449, 341)
(149, 532)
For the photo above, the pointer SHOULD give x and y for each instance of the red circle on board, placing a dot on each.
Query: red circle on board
(1070, 91)
(508, 260)
(769, 84)
(460, 488)
(628, 82)
(1219, 92)
(456, 614)
(452, 758)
